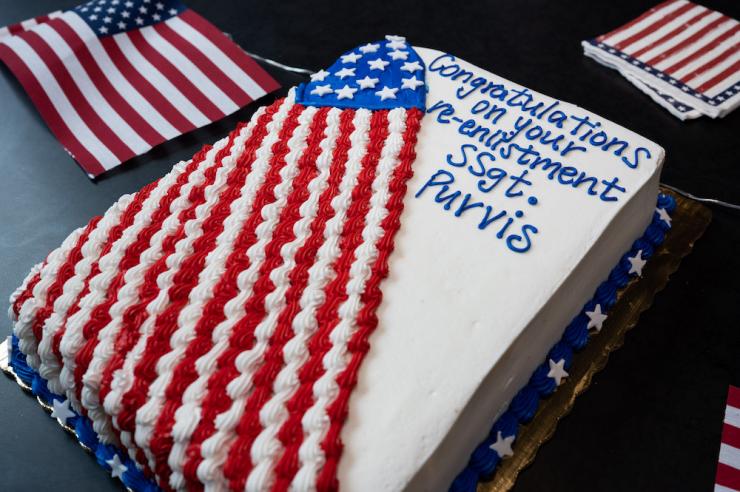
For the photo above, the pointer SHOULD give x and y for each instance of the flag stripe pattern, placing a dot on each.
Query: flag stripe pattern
(114, 78)
(728, 466)
(211, 326)
(686, 54)
(28, 24)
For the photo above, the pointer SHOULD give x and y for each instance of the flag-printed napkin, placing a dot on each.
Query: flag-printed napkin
(686, 57)
(728, 463)
(114, 78)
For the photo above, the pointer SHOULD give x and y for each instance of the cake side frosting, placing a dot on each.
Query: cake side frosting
(519, 207)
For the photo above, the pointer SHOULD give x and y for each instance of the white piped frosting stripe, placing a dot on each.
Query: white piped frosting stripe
(25, 285)
(123, 378)
(256, 177)
(264, 234)
(202, 291)
(50, 365)
(214, 448)
(23, 328)
(129, 295)
(74, 337)
(316, 420)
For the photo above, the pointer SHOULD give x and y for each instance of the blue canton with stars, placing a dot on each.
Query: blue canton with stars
(108, 17)
(382, 75)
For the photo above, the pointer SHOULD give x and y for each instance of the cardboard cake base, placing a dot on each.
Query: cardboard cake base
(689, 221)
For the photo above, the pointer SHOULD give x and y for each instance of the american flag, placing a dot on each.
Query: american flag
(728, 467)
(685, 56)
(212, 325)
(114, 78)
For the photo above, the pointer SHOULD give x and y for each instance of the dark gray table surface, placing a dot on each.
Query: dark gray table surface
(650, 421)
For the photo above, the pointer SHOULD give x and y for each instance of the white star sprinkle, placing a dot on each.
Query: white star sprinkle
(394, 45)
(398, 55)
(319, 76)
(143, 10)
(173, 11)
(117, 469)
(663, 215)
(111, 10)
(156, 17)
(345, 72)
(411, 83)
(369, 48)
(351, 58)
(93, 17)
(122, 25)
(595, 318)
(346, 92)
(502, 446)
(159, 5)
(97, 9)
(637, 263)
(61, 410)
(125, 14)
(129, 4)
(103, 30)
(387, 93)
(367, 82)
(392, 37)
(378, 64)
(411, 66)
(107, 20)
(139, 21)
(322, 90)
(557, 371)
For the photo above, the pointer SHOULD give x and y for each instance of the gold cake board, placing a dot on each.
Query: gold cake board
(688, 223)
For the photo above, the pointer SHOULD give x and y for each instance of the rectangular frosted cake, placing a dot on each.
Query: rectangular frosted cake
(369, 286)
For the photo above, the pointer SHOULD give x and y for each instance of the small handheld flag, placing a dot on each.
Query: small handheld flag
(114, 78)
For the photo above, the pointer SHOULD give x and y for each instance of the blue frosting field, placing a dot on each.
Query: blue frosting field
(385, 74)
(484, 460)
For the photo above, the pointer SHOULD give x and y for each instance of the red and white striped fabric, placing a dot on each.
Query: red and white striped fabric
(27, 24)
(114, 78)
(685, 56)
(212, 324)
(728, 467)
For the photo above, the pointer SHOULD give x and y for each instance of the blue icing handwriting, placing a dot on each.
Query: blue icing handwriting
(516, 139)
(382, 75)
(499, 98)
(526, 155)
(442, 188)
